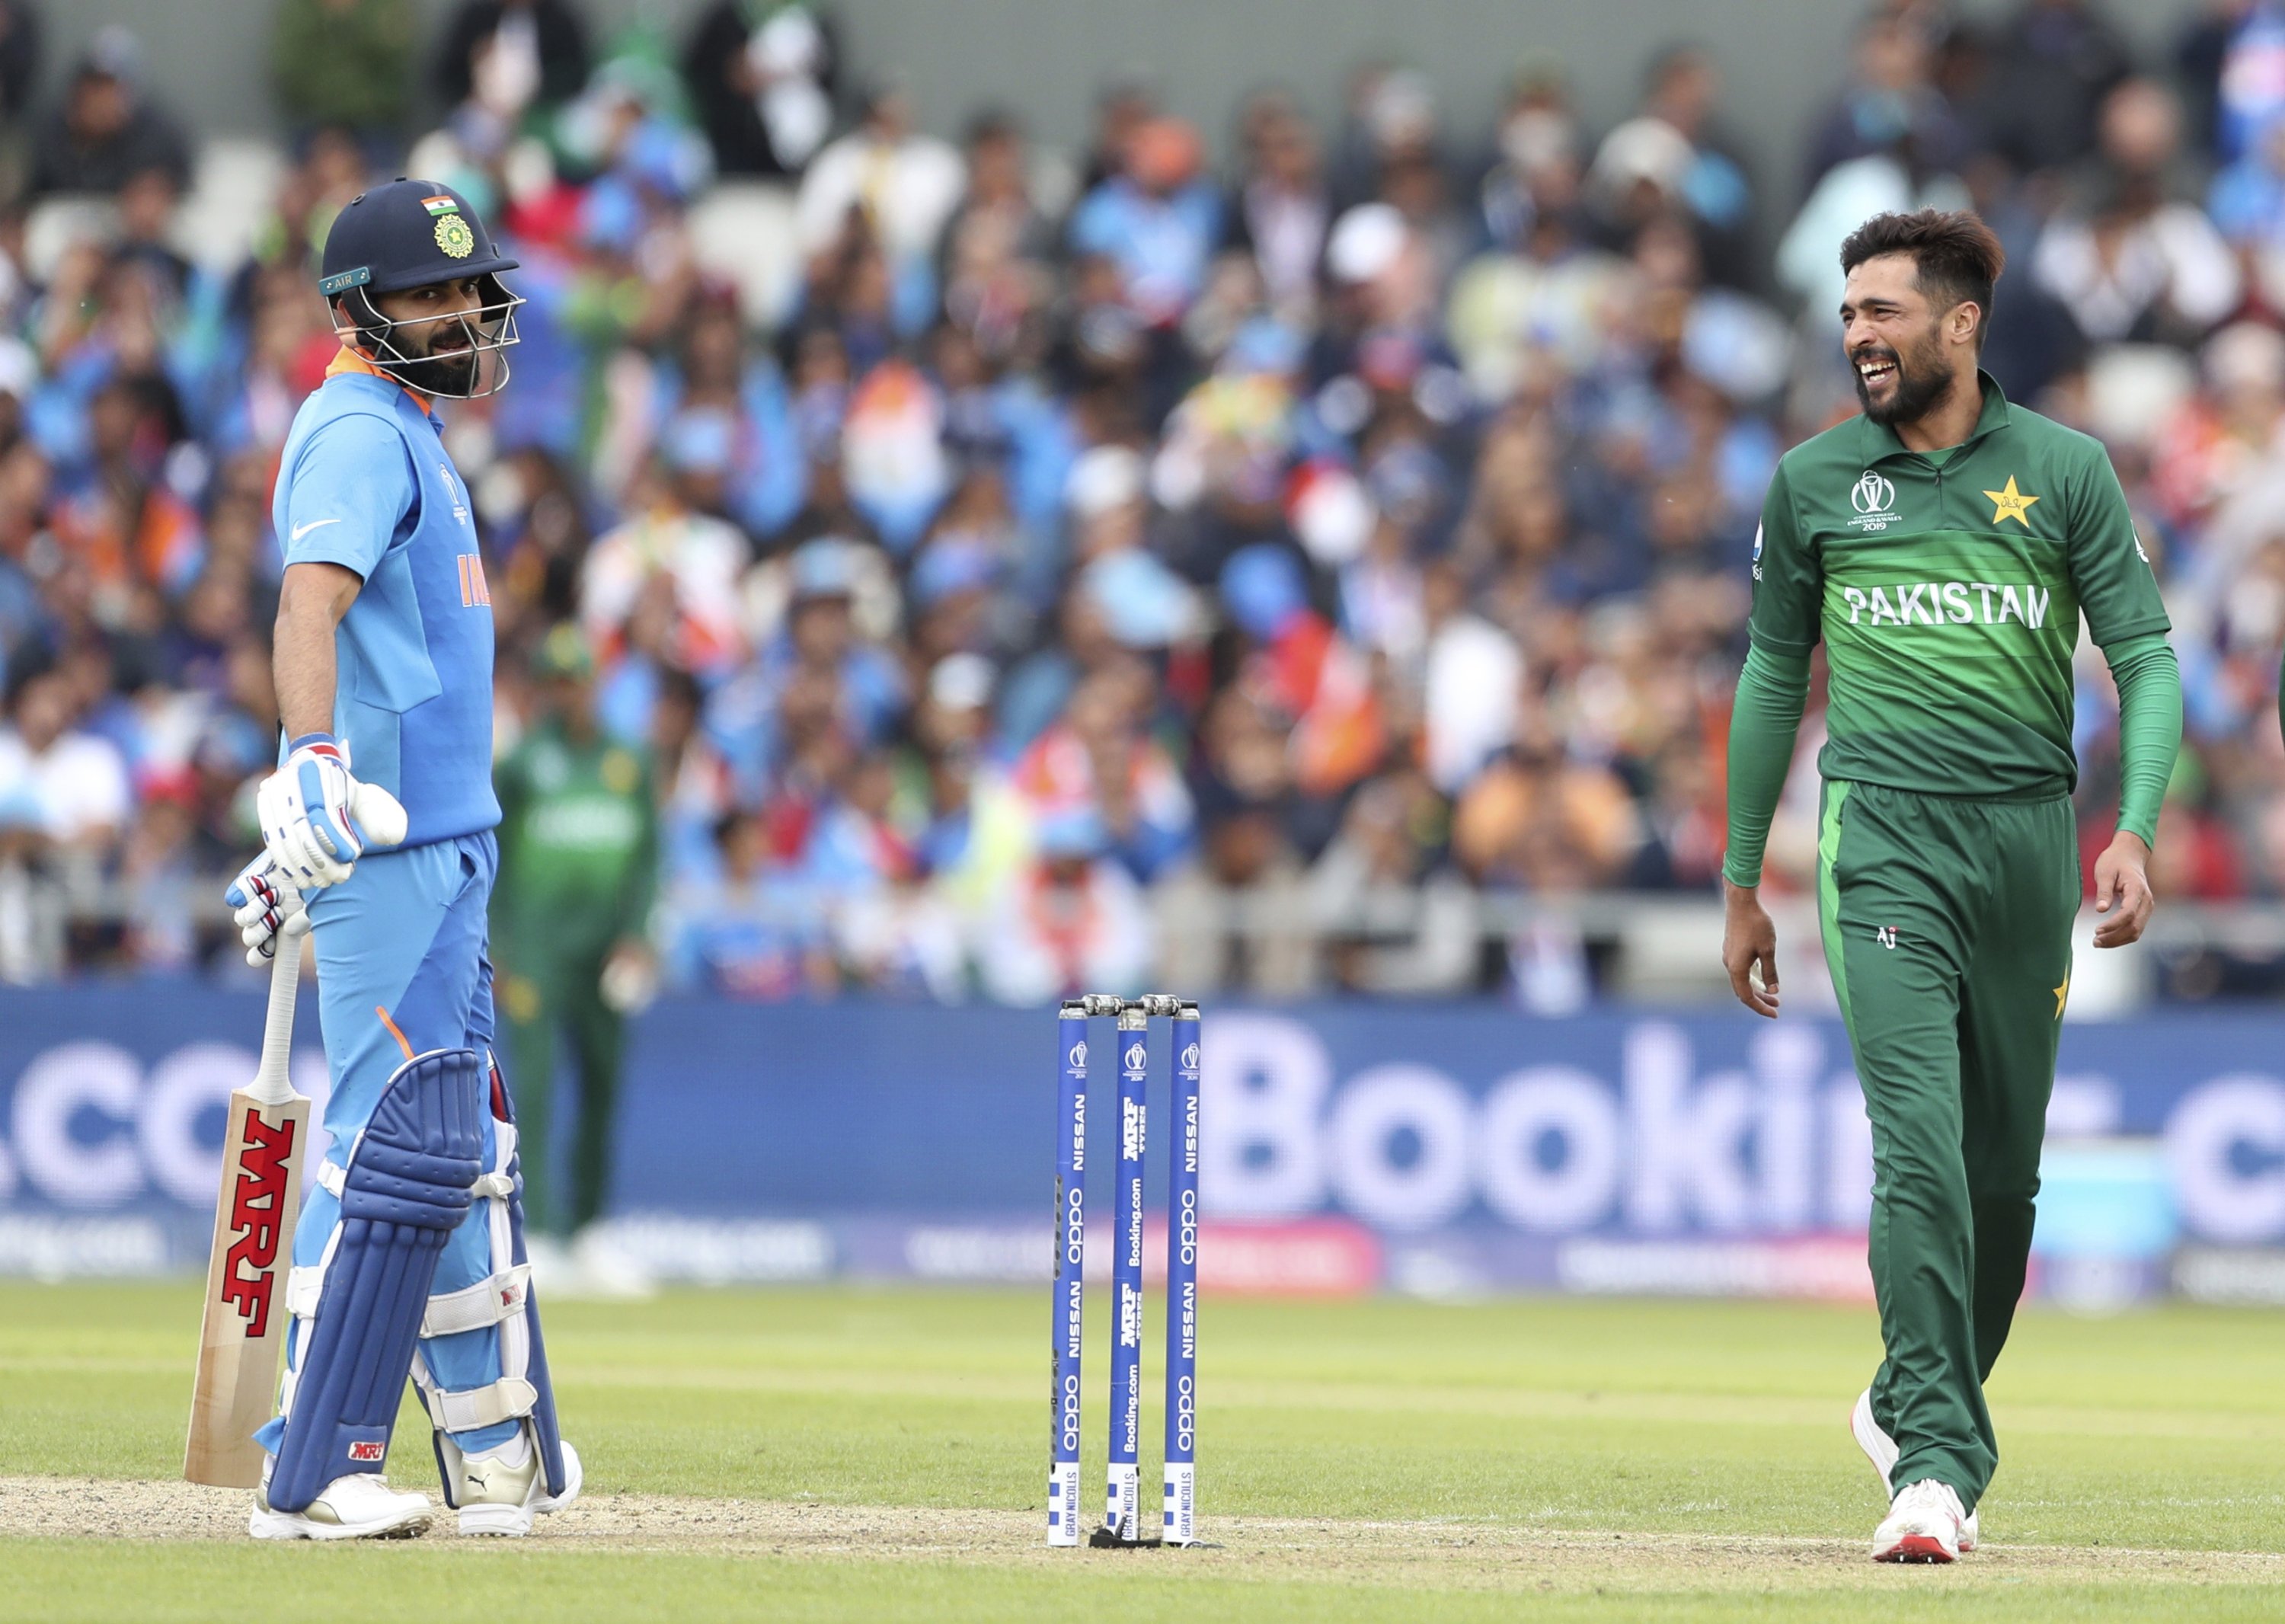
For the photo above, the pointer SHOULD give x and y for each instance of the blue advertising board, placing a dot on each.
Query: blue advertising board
(1430, 1147)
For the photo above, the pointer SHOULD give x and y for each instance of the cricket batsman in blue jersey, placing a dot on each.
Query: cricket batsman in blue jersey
(409, 1258)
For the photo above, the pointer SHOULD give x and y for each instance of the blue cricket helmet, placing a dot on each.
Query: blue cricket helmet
(406, 234)
(412, 233)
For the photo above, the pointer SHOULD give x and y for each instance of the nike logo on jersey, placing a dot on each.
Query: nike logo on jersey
(301, 531)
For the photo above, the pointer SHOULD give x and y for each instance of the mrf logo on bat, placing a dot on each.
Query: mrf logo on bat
(257, 1209)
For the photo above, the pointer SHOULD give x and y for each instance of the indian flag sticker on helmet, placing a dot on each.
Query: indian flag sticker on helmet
(442, 204)
(454, 237)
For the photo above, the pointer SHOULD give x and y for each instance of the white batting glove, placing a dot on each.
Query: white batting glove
(304, 810)
(266, 907)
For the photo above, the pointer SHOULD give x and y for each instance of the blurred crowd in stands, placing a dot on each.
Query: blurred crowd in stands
(1020, 563)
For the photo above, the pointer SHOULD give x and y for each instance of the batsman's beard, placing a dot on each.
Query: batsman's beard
(452, 373)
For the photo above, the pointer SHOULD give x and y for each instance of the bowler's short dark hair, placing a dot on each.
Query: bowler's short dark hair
(1955, 256)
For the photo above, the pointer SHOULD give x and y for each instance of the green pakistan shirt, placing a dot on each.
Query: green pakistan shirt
(578, 847)
(1947, 590)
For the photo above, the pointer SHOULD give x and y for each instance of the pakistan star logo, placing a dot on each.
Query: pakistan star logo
(2011, 504)
(454, 237)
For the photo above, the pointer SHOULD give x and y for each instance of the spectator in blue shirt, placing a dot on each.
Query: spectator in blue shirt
(2247, 199)
(1158, 221)
(751, 932)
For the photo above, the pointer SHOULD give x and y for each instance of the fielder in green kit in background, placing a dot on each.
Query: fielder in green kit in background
(1944, 545)
(579, 853)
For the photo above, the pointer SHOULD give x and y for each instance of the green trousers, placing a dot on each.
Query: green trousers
(1947, 929)
(560, 996)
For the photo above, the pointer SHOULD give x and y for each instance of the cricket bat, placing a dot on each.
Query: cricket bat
(263, 1139)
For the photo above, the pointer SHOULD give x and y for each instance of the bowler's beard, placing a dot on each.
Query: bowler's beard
(1922, 382)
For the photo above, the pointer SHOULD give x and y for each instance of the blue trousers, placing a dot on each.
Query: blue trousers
(402, 969)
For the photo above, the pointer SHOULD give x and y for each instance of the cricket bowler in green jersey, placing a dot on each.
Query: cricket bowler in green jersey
(570, 919)
(1944, 545)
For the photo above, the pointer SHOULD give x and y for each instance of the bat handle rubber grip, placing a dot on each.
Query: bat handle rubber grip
(272, 1084)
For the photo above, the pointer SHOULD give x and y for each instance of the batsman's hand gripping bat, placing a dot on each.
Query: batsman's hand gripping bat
(263, 1143)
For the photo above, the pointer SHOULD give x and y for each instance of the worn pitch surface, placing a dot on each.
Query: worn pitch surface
(864, 1453)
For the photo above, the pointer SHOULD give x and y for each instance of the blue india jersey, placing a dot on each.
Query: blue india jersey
(364, 483)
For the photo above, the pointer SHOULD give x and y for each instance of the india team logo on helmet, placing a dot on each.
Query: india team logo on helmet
(453, 233)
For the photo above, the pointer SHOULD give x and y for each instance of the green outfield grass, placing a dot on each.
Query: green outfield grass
(1561, 1459)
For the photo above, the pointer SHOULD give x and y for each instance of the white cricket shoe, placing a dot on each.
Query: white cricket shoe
(503, 1500)
(1881, 1450)
(1922, 1525)
(607, 1270)
(555, 1274)
(355, 1506)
